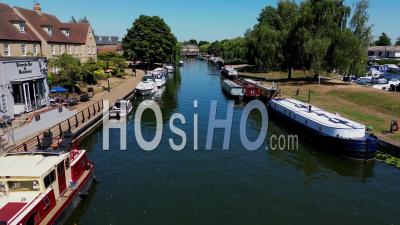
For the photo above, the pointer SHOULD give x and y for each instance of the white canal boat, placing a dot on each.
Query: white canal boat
(231, 88)
(336, 133)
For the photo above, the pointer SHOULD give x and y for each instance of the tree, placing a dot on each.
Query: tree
(397, 42)
(192, 42)
(150, 40)
(203, 43)
(316, 34)
(204, 48)
(383, 40)
(69, 69)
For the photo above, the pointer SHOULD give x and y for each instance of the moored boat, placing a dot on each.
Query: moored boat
(249, 90)
(336, 134)
(170, 68)
(43, 186)
(147, 86)
(120, 108)
(232, 89)
(229, 73)
(160, 76)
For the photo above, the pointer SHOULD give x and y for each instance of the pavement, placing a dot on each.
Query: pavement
(53, 117)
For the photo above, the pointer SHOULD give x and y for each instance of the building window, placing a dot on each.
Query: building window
(66, 32)
(100, 39)
(93, 50)
(109, 39)
(23, 50)
(88, 50)
(35, 50)
(76, 50)
(48, 30)
(70, 49)
(52, 50)
(61, 50)
(90, 35)
(7, 50)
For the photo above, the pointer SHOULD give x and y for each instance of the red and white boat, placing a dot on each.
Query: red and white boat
(42, 187)
(249, 89)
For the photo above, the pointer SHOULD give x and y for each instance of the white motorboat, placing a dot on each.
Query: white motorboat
(120, 108)
(160, 76)
(170, 68)
(147, 86)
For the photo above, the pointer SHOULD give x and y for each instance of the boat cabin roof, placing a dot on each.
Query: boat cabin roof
(29, 165)
(232, 84)
(318, 115)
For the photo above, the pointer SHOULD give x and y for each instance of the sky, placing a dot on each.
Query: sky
(202, 19)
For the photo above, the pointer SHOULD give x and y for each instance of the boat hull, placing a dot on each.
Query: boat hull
(144, 92)
(65, 211)
(362, 148)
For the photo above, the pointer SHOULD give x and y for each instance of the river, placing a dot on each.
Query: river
(235, 186)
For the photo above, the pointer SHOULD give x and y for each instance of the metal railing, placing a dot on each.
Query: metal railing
(69, 124)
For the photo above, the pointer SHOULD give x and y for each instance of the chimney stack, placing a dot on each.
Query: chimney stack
(37, 7)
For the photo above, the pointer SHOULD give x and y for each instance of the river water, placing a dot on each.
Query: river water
(235, 186)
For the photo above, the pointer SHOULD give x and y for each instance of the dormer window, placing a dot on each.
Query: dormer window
(66, 32)
(20, 25)
(48, 30)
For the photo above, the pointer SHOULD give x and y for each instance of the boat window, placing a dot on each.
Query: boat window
(29, 185)
(49, 179)
(33, 219)
(117, 105)
(67, 164)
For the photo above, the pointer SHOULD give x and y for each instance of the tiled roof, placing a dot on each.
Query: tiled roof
(106, 40)
(79, 32)
(8, 31)
(110, 48)
(40, 20)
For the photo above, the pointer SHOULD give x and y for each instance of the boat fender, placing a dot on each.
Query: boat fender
(83, 194)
